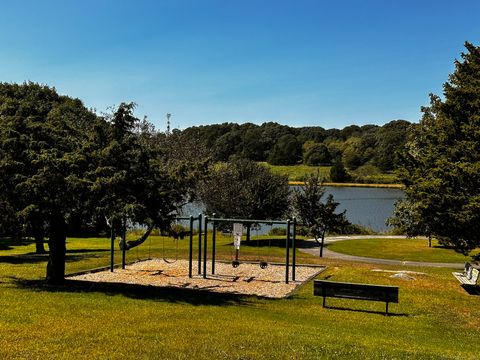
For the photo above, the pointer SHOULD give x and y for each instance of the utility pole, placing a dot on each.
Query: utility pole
(168, 123)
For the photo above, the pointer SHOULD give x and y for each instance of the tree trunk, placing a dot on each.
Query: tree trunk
(57, 247)
(321, 245)
(39, 241)
(429, 240)
(248, 233)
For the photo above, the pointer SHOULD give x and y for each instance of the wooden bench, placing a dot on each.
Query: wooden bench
(325, 288)
(469, 276)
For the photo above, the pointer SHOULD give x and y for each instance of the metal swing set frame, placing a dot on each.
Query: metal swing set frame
(202, 256)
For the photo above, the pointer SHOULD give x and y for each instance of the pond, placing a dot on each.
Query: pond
(369, 207)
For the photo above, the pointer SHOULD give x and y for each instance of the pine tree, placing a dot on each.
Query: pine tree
(441, 162)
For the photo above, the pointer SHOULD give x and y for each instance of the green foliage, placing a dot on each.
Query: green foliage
(316, 155)
(441, 163)
(338, 173)
(61, 166)
(45, 147)
(358, 145)
(245, 189)
(352, 156)
(353, 229)
(140, 176)
(287, 151)
(277, 231)
(390, 139)
(317, 216)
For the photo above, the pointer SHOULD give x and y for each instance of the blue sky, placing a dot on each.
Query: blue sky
(302, 62)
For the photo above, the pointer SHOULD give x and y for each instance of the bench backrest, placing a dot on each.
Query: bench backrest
(327, 288)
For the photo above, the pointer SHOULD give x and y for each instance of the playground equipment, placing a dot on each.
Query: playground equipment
(237, 239)
(262, 260)
(290, 241)
(191, 220)
(177, 232)
(202, 255)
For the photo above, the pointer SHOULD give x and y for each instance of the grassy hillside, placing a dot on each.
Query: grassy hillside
(435, 319)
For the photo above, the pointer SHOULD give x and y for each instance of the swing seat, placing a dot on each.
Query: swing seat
(263, 264)
(235, 263)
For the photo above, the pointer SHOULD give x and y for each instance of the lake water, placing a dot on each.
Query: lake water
(369, 207)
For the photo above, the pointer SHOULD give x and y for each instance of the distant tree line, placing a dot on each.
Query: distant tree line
(364, 149)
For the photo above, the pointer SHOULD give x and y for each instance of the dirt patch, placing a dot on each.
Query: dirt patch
(247, 279)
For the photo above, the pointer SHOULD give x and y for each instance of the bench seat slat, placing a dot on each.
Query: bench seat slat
(463, 279)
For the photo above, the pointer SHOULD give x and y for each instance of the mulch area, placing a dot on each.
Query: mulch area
(247, 279)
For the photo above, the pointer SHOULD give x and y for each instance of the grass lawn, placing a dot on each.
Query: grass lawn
(435, 319)
(399, 249)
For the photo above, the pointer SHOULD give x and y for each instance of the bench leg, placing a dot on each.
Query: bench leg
(323, 301)
(386, 309)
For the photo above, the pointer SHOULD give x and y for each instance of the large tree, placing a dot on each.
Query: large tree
(44, 148)
(441, 162)
(318, 216)
(140, 176)
(246, 190)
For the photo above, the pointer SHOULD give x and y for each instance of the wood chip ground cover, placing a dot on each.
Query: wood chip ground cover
(247, 279)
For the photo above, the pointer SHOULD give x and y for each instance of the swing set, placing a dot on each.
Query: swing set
(202, 256)
(238, 224)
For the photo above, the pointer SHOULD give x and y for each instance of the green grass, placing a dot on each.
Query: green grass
(298, 172)
(399, 249)
(435, 319)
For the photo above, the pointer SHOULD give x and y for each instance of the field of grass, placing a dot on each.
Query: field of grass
(399, 249)
(298, 172)
(435, 319)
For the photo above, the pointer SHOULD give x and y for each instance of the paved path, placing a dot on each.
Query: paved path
(314, 250)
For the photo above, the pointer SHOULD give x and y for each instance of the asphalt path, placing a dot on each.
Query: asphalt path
(313, 248)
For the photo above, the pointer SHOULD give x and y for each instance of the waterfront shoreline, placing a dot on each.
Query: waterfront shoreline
(387, 186)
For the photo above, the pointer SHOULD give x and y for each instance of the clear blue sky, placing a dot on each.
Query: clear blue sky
(326, 63)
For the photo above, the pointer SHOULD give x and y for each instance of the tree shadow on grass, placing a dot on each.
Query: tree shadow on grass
(23, 259)
(32, 258)
(135, 291)
(80, 251)
(7, 243)
(390, 314)
(307, 244)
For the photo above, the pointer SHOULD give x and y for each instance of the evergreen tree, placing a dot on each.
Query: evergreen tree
(44, 148)
(441, 162)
